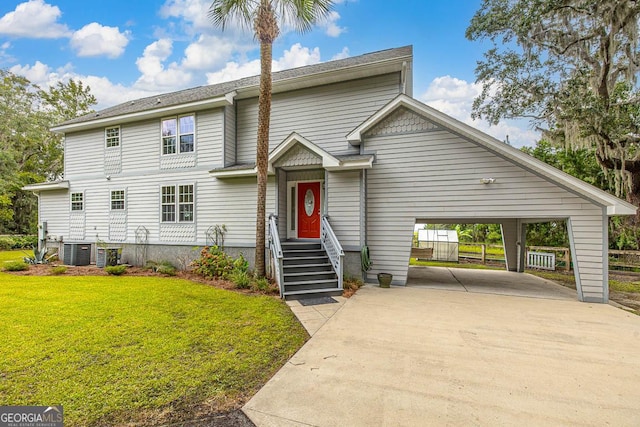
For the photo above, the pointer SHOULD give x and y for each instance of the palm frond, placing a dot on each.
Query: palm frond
(222, 12)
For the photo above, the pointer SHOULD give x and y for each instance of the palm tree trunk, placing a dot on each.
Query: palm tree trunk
(262, 153)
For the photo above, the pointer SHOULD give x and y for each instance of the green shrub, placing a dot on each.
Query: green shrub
(166, 268)
(213, 263)
(241, 278)
(60, 269)
(115, 270)
(16, 266)
(6, 243)
(151, 265)
(261, 284)
(18, 242)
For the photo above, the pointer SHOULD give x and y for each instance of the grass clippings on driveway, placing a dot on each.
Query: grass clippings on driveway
(137, 350)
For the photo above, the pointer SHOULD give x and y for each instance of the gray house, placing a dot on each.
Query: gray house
(354, 161)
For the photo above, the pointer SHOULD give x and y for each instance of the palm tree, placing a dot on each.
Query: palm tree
(265, 16)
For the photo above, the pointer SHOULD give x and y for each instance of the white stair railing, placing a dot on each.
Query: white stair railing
(332, 247)
(276, 252)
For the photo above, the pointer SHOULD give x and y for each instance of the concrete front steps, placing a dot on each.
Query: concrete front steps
(307, 271)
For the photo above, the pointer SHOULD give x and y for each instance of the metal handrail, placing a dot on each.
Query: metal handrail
(276, 252)
(332, 247)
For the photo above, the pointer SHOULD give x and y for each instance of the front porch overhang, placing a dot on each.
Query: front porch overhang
(325, 161)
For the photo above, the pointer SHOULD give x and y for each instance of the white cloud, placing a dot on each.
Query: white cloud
(296, 56)
(34, 19)
(343, 54)
(331, 27)
(208, 52)
(37, 73)
(192, 11)
(97, 40)
(106, 92)
(454, 97)
(157, 76)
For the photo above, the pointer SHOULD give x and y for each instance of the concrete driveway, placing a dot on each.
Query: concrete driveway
(499, 282)
(411, 356)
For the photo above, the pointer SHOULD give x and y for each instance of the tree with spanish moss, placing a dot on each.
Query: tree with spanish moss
(571, 67)
(266, 17)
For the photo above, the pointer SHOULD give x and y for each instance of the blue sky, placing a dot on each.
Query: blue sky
(135, 48)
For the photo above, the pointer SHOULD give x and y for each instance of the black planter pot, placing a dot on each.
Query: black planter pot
(384, 279)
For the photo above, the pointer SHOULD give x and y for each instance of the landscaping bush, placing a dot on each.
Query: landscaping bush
(261, 284)
(16, 266)
(18, 242)
(241, 278)
(115, 270)
(60, 269)
(166, 268)
(6, 243)
(213, 263)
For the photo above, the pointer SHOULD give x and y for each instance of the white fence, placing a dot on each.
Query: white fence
(541, 260)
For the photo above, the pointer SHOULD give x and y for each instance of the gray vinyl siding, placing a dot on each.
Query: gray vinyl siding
(229, 135)
(437, 175)
(209, 137)
(232, 202)
(54, 210)
(140, 147)
(76, 161)
(344, 207)
(323, 115)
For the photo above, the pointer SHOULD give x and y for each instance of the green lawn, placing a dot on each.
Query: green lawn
(6, 256)
(142, 350)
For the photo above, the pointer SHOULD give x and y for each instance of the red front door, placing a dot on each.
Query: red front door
(309, 210)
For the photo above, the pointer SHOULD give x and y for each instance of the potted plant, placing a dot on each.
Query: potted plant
(384, 279)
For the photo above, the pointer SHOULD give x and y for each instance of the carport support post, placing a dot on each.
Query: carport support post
(511, 241)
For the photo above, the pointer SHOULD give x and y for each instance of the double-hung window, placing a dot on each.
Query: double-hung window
(117, 200)
(178, 135)
(177, 203)
(77, 201)
(112, 136)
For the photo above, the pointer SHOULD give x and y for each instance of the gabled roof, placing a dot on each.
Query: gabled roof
(614, 205)
(329, 161)
(376, 63)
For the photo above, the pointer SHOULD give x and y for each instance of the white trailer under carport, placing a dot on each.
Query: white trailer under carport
(431, 168)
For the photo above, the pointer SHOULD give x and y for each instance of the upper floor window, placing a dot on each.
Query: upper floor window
(177, 199)
(178, 135)
(112, 136)
(117, 200)
(77, 201)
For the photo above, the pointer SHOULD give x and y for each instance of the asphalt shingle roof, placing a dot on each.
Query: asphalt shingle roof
(207, 92)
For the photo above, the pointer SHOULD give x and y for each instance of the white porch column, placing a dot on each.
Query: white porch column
(510, 235)
(588, 238)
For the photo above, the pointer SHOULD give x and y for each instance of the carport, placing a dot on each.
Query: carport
(487, 282)
(431, 168)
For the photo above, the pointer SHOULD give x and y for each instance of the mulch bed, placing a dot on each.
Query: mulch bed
(92, 270)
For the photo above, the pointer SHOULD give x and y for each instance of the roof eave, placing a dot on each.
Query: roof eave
(614, 205)
(385, 66)
(219, 101)
(47, 186)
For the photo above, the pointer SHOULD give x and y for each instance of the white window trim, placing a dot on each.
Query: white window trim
(119, 137)
(124, 200)
(177, 203)
(177, 119)
(71, 202)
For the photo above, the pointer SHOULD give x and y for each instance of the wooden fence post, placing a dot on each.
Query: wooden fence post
(484, 253)
(567, 259)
